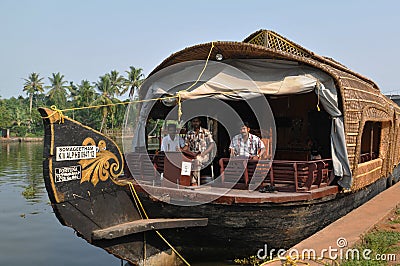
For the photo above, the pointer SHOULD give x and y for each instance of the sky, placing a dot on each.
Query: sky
(84, 39)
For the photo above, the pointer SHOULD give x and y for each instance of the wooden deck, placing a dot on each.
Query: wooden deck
(229, 196)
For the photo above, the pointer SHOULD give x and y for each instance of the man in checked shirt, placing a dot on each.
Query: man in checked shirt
(246, 145)
(199, 140)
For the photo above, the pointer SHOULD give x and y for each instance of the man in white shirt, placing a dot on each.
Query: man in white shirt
(172, 142)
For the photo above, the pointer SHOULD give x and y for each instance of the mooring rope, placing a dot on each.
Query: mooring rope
(60, 111)
(136, 198)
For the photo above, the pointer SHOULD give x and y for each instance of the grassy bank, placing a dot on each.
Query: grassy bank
(381, 245)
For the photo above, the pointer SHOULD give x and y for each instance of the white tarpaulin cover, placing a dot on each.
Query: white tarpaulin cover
(241, 75)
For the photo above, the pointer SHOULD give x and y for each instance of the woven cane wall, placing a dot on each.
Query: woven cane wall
(396, 140)
(362, 102)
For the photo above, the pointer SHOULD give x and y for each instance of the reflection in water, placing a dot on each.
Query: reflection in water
(19, 165)
(30, 232)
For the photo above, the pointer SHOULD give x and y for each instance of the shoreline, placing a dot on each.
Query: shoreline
(21, 139)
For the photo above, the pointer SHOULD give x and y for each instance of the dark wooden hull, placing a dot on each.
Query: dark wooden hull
(240, 230)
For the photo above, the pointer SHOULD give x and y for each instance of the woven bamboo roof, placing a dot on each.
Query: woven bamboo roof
(260, 44)
(272, 40)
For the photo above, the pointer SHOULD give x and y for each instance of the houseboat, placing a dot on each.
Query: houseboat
(139, 203)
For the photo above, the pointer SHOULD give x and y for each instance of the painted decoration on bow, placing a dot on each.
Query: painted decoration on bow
(104, 166)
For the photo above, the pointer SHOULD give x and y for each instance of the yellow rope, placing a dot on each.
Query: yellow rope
(122, 103)
(135, 195)
(202, 71)
(179, 106)
(56, 111)
(144, 233)
(60, 111)
(178, 94)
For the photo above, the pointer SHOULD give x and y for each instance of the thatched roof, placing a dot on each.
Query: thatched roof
(260, 44)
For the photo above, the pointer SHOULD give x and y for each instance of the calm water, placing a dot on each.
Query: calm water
(30, 234)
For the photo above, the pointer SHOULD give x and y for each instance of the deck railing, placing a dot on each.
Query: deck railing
(280, 175)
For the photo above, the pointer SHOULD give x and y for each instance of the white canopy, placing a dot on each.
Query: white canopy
(234, 78)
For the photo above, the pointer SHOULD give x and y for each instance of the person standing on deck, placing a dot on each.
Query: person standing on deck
(199, 140)
(246, 145)
(172, 142)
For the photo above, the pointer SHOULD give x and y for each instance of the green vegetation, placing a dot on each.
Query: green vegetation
(20, 114)
(29, 192)
(383, 246)
(252, 260)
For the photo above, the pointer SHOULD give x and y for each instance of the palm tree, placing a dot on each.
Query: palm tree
(73, 90)
(33, 84)
(107, 97)
(82, 96)
(133, 82)
(57, 93)
(117, 81)
(85, 94)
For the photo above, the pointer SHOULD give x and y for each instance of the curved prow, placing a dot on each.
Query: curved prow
(80, 169)
(79, 160)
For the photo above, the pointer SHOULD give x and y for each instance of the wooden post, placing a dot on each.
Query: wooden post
(371, 146)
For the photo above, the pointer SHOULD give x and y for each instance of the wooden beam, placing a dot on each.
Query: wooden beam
(138, 226)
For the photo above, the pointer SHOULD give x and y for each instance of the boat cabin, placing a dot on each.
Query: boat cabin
(320, 122)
